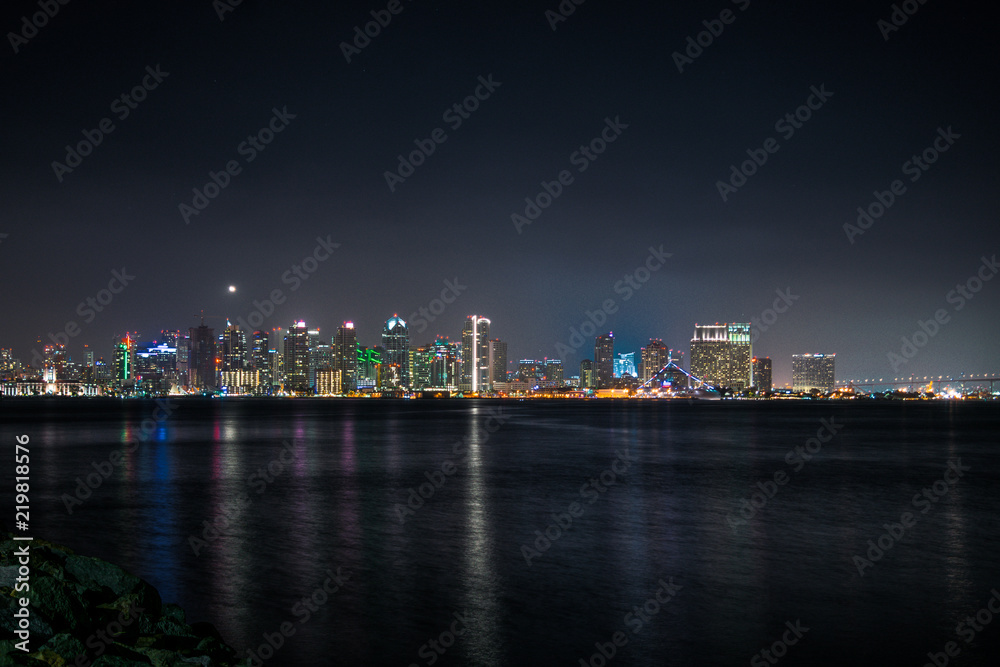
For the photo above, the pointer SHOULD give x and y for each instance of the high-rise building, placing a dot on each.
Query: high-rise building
(125, 360)
(297, 358)
(345, 356)
(369, 367)
(328, 382)
(260, 356)
(604, 360)
(554, 374)
(625, 365)
(498, 360)
(234, 348)
(762, 373)
(588, 376)
(446, 365)
(476, 373)
(202, 361)
(396, 341)
(420, 366)
(721, 355)
(652, 358)
(813, 371)
(54, 365)
(531, 371)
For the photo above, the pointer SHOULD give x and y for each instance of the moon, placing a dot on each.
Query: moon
(232, 288)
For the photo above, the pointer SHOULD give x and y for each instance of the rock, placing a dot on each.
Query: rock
(50, 597)
(65, 645)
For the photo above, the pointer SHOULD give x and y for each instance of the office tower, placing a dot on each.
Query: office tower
(588, 376)
(721, 355)
(813, 371)
(762, 373)
(345, 356)
(368, 368)
(445, 370)
(54, 365)
(260, 356)
(183, 354)
(604, 360)
(476, 375)
(321, 359)
(420, 366)
(498, 360)
(202, 358)
(625, 365)
(652, 358)
(554, 375)
(234, 348)
(125, 360)
(297, 358)
(396, 341)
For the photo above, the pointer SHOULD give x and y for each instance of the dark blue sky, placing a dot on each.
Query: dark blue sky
(324, 174)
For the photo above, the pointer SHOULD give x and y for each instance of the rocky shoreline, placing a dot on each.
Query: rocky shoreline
(87, 612)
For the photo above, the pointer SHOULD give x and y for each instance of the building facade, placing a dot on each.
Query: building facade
(813, 372)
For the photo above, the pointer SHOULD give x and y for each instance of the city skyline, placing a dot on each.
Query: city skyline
(834, 203)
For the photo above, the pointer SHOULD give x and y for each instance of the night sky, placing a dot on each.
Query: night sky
(323, 175)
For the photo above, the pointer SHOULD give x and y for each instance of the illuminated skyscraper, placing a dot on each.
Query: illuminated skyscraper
(445, 368)
(420, 366)
(604, 360)
(554, 374)
(297, 356)
(588, 377)
(653, 357)
(625, 365)
(762, 373)
(396, 341)
(476, 374)
(721, 355)
(234, 348)
(345, 356)
(813, 371)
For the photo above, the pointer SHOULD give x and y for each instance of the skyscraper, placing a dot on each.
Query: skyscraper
(762, 373)
(498, 360)
(234, 348)
(445, 370)
(345, 356)
(653, 357)
(554, 374)
(813, 371)
(202, 364)
(721, 354)
(260, 357)
(604, 360)
(588, 378)
(625, 365)
(396, 341)
(476, 375)
(297, 358)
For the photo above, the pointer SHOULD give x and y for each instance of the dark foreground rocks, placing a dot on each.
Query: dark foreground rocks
(86, 612)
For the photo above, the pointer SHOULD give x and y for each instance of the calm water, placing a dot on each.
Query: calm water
(665, 505)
